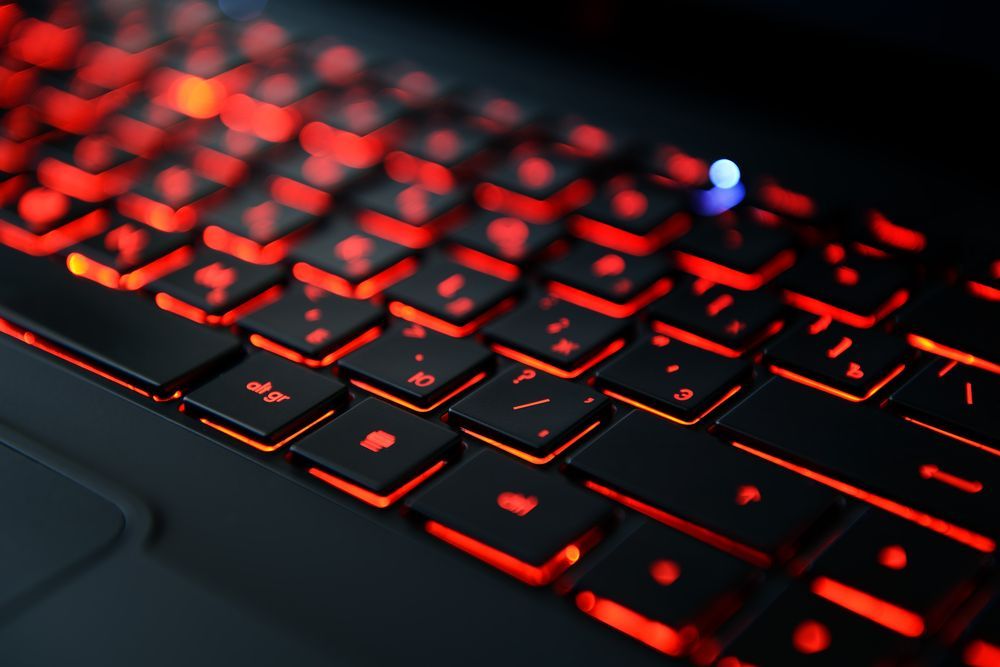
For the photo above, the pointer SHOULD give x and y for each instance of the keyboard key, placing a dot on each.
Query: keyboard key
(674, 168)
(350, 262)
(672, 380)
(955, 400)
(375, 452)
(129, 255)
(146, 128)
(265, 401)
(309, 183)
(535, 185)
(632, 215)
(873, 456)
(735, 250)
(91, 168)
(450, 298)
(312, 327)
(498, 244)
(556, 337)
(955, 324)
(413, 215)
(357, 129)
(527, 524)
(117, 336)
(494, 112)
(417, 368)
(438, 153)
(853, 364)
(44, 221)
(898, 575)
(170, 197)
(254, 228)
(802, 629)
(743, 506)
(614, 284)
(414, 85)
(529, 414)
(716, 318)
(663, 588)
(216, 288)
(854, 288)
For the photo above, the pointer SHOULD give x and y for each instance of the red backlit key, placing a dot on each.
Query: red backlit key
(417, 368)
(129, 255)
(535, 185)
(896, 574)
(801, 629)
(217, 288)
(91, 168)
(18, 80)
(410, 214)
(450, 298)
(955, 324)
(675, 168)
(335, 62)
(350, 262)
(632, 215)
(375, 452)
(170, 197)
(311, 326)
(672, 380)
(43, 221)
(716, 318)
(498, 244)
(254, 227)
(76, 106)
(528, 524)
(274, 105)
(954, 399)
(663, 588)
(872, 456)
(496, 113)
(50, 44)
(696, 484)
(146, 128)
(604, 280)
(577, 137)
(850, 363)
(265, 401)
(411, 83)
(308, 182)
(438, 152)
(357, 129)
(21, 133)
(227, 154)
(530, 414)
(983, 647)
(853, 288)
(555, 336)
(735, 251)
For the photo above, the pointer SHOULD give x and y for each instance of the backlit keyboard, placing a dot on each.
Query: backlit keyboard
(672, 393)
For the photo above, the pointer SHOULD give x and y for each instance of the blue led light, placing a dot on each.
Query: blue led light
(724, 174)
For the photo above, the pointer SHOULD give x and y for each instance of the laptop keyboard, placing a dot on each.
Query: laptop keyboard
(671, 393)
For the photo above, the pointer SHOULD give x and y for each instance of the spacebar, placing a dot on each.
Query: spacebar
(873, 456)
(117, 335)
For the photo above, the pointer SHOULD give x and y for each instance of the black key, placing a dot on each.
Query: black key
(145, 127)
(414, 85)
(308, 182)
(129, 255)
(449, 297)
(535, 185)
(375, 452)
(674, 168)
(921, 577)
(357, 129)
(691, 481)
(854, 288)
(92, 168)
(663, 588)
(253, 227)
(717, 318)
(350, 262)
(630, 214)
(955, 324)
(438, 152)
(118, 336)
(671, 379)
(955, 399)
(555, 336)
(575, 136)
(170, 197)
(498, 244)
(528, 524)
(735, 251)
(313, 327)
(529, 414)
(850, 363)
(603, 280)
(216, 288)
(411, 214)
(873, 456)
(417, 368)
(801, 629)
(42, 221)
(265, 401)
(495, 113)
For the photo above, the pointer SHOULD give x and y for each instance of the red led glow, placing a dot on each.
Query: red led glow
(404, 233)
(983, 291)
(495, 198)
(300, 196)
(266, 344)
(610, 308)
(81, 265)
(980, 653)
(178, 307)
(957, 533)
(892, 557)
(530, 574)
(531, 458)
(955, 436)
(895, 235)
(612, 237)
(362, 290)
(248, 250)
(416, 408)
(810, 637)
(657, 635)
(258, 445)
(815, 384)
(55, 240)
(710, 345)
(659, 413)
(786, 202)
(719, 273)
(523, 358)
(484, 263)
(817, 307)
(927, 345)
(357, 151)
(874, 609)
(85, 185)
(664, 572)
(373, 499)
(411, 314)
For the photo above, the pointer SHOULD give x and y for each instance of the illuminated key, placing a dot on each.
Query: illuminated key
(357, 129)
(438, 153)
(171, 196)
(955, 324)
(535, 185)
(499, 244)
(525, 523)
(254, 227)
(497, 113)
(676, 168)
(411, 214)
(351, 262)
(307, 182)
(578, 137)
(43, 221)
(92, 168)
(416, 86)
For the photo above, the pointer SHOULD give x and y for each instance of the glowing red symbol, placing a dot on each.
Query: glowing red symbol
(660, 341)
(892, 557)
(317, 336)
(622, 286)
(683, 394)
(846, 276)
(217, 278)
(421, 379)
(543, 433)
(747, 494)
(629, 204)
(968, 393)
(418, 357)
(608, 265)
(174, 183)
(376, 441)
(811, 637)
(565, 347)
(449, 287)
(664, 572)
(542, 401)
(735, 327)
(443, 144)
(931, 471)
(354, 251)
(839, 348)
(508, 235)
(265, 390)
(535, 172)
(558, 325)
(526, 374)
(415, 331)
(313, 314)
(260, 219)
(127, 242)
(460, 306)
(517, 503)
(854, 371)
(673, 368)
(719, 304)
(41, 206)
(412, 203)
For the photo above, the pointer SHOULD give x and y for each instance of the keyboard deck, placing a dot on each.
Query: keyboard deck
(711, 414)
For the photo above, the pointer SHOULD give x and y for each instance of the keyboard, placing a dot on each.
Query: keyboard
(708, 412)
